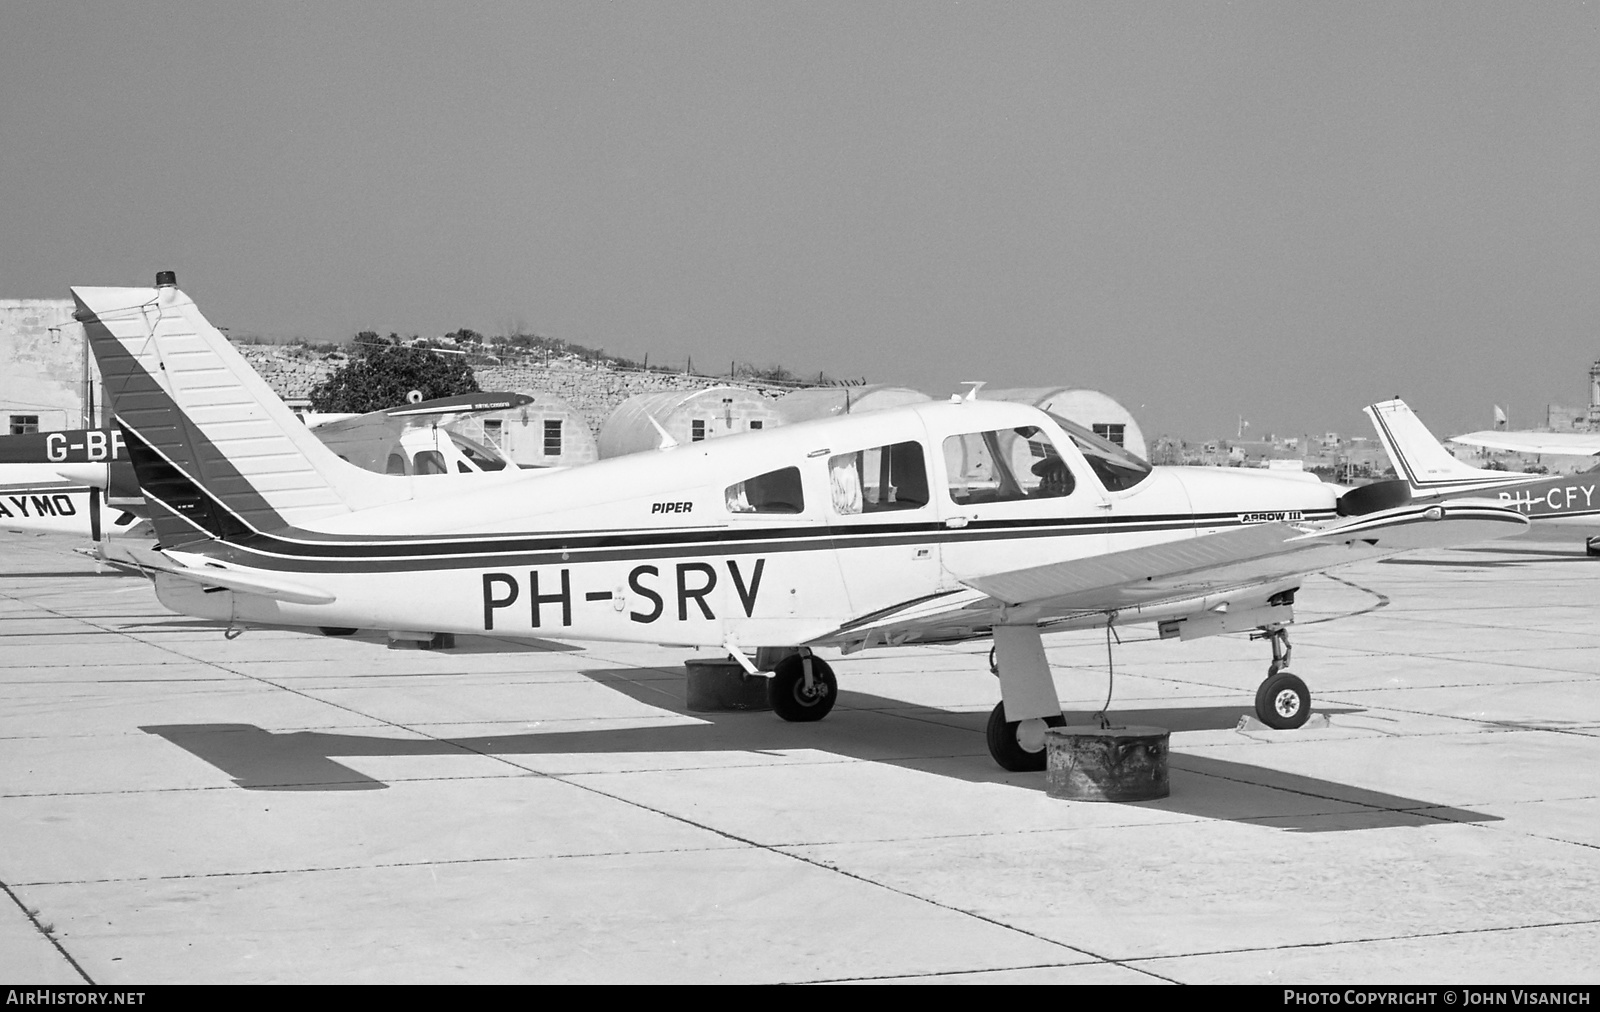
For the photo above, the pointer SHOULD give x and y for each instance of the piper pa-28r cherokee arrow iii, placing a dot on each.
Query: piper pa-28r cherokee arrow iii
(929, 523)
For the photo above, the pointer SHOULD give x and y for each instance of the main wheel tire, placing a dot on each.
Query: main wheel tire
(1007, 750)
(786, 689)
(333, 630)
(1283, 702)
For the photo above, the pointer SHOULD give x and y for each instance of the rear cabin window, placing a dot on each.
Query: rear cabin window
(879, 480)
(1005, 465)
(774, 492)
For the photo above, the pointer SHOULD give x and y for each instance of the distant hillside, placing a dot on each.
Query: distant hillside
(591, 382)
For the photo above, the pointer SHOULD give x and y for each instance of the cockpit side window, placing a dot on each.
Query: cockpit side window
(1118, 469)
(774, 492)
(878, 480)
(1005, 465)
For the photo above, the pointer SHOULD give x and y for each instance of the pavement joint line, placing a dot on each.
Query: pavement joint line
(267, 788)
(936, 974)
(50, 937)
(1370, 940)
(334, 868)
(1486, 726)
(1419, 810)
(665, 814)
(778, 850)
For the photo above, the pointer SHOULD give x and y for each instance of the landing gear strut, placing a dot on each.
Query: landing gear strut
(1282, 701)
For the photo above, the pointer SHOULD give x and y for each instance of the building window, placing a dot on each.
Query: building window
(552, 437)
(697, 430)
(23, 424)
(755, 423)
(1110, 432)
(494, 432)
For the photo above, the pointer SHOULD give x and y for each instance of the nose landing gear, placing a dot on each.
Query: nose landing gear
(1282, 701)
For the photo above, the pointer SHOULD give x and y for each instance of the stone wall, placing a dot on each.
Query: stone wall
(592, 388)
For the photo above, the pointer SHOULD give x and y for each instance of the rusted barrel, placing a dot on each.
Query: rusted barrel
(1091, 763)
(718, 684)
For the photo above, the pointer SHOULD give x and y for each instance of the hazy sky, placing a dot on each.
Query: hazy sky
(1276, 210)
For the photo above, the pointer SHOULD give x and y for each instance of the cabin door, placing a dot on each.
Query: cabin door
(1012, 499)
(883, 524)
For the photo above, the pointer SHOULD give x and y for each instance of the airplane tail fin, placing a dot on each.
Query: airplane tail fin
(218, 454)
(1421, 459)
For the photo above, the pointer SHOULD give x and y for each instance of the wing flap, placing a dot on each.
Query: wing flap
(1260, 553)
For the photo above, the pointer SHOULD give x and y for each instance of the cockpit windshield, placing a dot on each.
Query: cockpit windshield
(1117, 469)
(481, 456)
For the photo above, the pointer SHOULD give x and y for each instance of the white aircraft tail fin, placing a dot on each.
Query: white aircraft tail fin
(1421, 459)
(218, 454)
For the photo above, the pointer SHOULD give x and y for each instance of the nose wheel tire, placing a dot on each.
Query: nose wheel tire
(1283, 701)
(792, 699)
(1018, 745)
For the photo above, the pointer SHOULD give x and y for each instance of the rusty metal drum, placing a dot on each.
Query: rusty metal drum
(1092, 763)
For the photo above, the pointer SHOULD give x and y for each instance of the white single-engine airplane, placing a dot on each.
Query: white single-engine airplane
(1433, 474)
(932, 522)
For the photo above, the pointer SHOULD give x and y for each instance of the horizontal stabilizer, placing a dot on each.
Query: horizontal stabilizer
(149, 563)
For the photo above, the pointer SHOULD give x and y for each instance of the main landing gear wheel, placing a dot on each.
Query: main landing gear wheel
(1018, 745)
(794, 697)
(1283, 701)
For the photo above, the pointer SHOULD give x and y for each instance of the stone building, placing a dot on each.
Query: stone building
(47, 383)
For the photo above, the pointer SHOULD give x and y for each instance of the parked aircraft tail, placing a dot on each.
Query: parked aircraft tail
(1422, 460)
(217, 453)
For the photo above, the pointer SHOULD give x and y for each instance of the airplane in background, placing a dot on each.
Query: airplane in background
(1431, 472)
(934, 522)
(1570, 444)
(80, 482)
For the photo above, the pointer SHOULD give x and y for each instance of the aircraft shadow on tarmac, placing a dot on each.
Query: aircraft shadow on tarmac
(862, 726)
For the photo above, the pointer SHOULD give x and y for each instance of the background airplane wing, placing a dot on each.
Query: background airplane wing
(1575, 444)
(1262, 557)
(366, 440)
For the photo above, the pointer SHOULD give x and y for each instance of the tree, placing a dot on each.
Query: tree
(382, 373)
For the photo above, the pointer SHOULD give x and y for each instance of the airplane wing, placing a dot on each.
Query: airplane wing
(366, 440)
(1250, 562)
(1577, 444)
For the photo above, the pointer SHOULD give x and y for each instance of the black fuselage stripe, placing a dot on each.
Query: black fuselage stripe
(656, 545)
